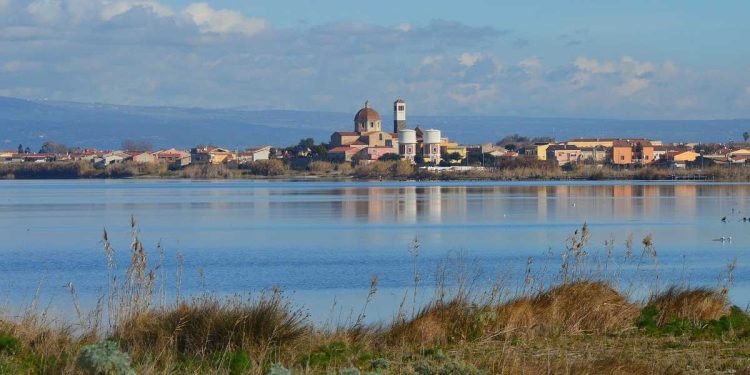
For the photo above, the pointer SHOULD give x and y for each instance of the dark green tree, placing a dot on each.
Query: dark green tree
(454, 156)
(52, 147)
(390, 157)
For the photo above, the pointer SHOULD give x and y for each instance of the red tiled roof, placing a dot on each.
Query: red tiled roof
(342, 149)
(367, 114)
(347, 133)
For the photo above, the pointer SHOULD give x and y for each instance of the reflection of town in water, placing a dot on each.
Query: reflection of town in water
(446, 204)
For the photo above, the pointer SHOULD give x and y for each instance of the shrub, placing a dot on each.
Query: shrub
(320, 167)
(104, 359)
(402, 169)
(344, 168)
(583, 306)
(210, 325)
(380, 364)
(236, 362)
(698, 304)
(271, 167)
(326, 355)
(9, 344)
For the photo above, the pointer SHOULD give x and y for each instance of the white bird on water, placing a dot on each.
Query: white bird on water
(724, 239)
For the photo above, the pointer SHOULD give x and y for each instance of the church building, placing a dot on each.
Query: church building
(368, 141)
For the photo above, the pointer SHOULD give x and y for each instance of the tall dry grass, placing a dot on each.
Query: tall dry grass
(567, 319)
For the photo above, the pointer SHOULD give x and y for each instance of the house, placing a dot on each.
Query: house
(145, 157)
(254, 154)
(7, 156)
(173, 157)
(538, 150)
(629, 152)
(596, 154)
(342, 153)
(660, 152)
(114, 157)
(447, 148)
(683, 156)
(739, 153)
(372, 153)
(591, 142)
(563, 154)
(210, 155)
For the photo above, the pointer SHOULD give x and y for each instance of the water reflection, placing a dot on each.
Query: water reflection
(317, 237)
(441, 204)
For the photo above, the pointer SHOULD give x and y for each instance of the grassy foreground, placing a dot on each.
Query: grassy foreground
(576, 324)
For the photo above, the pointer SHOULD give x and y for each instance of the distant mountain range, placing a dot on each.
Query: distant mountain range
(106, 126)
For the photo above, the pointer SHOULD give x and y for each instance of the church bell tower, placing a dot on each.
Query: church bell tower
(399, 115)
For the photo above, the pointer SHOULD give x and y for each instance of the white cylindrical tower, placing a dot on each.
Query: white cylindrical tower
(431, 146)
(399, 115)
(407, 143)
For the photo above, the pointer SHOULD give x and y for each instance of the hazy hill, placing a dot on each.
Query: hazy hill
(105, 126)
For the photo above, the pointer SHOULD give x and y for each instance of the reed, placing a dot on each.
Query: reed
(565, 319)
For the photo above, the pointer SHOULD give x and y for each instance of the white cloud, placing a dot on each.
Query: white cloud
(404, 27)
(632, 86)
(115, 9)
(469, 59)
(223, 21)
(531, 65)
(432, 59)
(635, 67)
(46, 11)
(594, 66)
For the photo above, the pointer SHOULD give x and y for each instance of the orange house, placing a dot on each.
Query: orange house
(627, 152)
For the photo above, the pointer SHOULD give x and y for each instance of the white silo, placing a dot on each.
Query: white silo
(431, 146)
(407, 143)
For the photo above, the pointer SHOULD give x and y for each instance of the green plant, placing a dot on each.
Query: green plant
(459, 368)
(104, 358)
(378, 364)
(349, 371)
(9, 344)
(236, 362)
(326, 355)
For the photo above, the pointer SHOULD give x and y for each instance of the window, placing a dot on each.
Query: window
(400, 108)
(381, 136)
(622, 157)
(372, 125)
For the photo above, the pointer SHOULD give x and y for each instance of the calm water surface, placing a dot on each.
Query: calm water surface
(322, 241)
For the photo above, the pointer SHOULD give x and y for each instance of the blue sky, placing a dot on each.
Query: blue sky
(626, 59)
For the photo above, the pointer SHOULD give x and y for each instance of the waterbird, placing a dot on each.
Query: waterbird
(724, 219)
(723, 239)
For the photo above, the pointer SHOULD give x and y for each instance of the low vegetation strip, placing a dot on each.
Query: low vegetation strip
(516, 170)
(577, 323)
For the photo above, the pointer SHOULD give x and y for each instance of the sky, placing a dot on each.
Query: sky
(631, 59)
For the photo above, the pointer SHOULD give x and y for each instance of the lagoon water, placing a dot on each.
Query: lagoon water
(322, 242)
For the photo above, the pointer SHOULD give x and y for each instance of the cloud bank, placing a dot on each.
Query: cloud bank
(145, 52)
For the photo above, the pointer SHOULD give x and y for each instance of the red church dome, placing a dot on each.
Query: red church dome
(366, 115)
